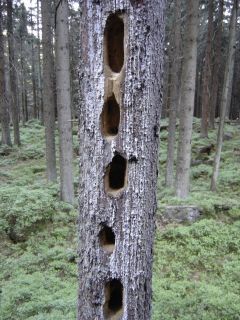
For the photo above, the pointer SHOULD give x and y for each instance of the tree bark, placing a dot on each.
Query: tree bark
(216, 65)
(187, 99)
(120, 80)
(48, 92)
(4, 115)
(174, 94)
(34, 89)
(207, 73)
(64, 101)
(13, 79)
(40, 96)
(227, 80)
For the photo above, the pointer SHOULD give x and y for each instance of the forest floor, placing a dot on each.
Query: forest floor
(196, 266)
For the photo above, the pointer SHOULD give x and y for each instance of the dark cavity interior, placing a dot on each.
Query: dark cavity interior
(114, 39)
(113, 300)
(117, 172)
(107, 239)
(110, 117)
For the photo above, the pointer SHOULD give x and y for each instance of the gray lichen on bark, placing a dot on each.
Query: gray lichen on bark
(129, 214)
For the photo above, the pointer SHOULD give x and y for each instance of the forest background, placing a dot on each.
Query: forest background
(196, 260)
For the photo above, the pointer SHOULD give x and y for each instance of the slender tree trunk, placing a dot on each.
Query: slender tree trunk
(227, 80)
(23, 84)
(40, 97)
(120, 78)
(229, 97)
(4, 115)
(216, 65)
(34, 89)
(197, 110)
(174, 94)
(64, 101)
(13, 79)
(207, 73)
(187, 99)
(166, 84)
(48, 92)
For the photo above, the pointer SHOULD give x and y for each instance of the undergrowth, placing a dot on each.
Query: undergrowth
(196, 267)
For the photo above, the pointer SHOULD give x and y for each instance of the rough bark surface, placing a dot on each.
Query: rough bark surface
(64, 102)
(48, 92)
(227, 81)
(187, 99)
(129, 211)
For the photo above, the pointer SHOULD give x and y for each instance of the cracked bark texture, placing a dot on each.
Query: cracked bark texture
(130, 212)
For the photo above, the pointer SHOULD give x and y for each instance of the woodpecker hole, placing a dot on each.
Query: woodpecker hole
(116, 175)
(110, 117)
(113, 306)
(114, 42)
(107, 239)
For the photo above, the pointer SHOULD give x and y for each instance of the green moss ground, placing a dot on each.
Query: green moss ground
(196, 267)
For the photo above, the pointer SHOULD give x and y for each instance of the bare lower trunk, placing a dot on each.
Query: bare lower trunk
(40, 96)
(4, 115)
(48, 93)
(227, 81)
(174, 94)
(13, 80)
(120, 77)
(35, 109)
(187, 99)
(216, 65)
(64, 101)
(206, 93)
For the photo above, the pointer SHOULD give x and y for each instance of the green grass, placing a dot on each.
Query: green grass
(196, 267)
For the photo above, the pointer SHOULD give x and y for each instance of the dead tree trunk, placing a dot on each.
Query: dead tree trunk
(227, 81)
(120, 77)
(187, 99)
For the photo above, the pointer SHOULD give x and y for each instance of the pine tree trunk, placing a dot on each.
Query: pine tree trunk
(40, 96)
(64, 101)
(227, 80)
(4, 115)
(174, 94)
(120, 78)
(187, 99)
(48, 92)
(216, 66)
(13, 80)
(34, 89)
(207, 73)
(229, 97)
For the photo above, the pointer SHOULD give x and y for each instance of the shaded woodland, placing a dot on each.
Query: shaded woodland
(49, 137)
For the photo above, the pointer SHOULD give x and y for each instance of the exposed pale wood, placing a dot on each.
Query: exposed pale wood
(130, 213)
